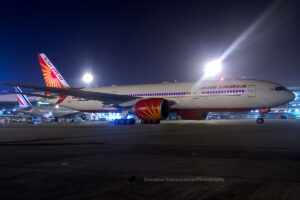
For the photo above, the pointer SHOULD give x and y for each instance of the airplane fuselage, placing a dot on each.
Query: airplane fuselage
(228, 95)
(45, 111)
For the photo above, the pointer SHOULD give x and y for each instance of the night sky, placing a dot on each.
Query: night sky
(133, 42)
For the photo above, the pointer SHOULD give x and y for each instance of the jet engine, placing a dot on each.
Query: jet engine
(153, 109)
(192, 115)
(85, 116)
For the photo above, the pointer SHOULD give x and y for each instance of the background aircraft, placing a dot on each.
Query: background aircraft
(43, 111)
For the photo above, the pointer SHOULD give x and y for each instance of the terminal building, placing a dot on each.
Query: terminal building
(291, 110)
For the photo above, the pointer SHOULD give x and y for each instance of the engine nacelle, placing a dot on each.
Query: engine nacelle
(193, 115)
(85, 116)
(152, 109)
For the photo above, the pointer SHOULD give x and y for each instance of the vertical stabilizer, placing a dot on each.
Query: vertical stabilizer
(23, 100)
(51, 75)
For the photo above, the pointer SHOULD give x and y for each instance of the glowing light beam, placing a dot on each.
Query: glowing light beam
(249, 31)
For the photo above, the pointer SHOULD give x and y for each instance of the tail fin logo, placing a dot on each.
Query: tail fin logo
(23, 100)
(51, 75)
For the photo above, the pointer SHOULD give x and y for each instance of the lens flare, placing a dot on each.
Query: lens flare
(87, 78)
(212, 68)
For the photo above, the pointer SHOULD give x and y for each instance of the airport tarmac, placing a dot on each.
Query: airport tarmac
(235, 159)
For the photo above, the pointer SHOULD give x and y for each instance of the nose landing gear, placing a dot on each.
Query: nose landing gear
(262, 111)
(260, 120)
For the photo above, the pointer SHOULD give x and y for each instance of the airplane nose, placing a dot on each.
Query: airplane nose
(290, 96)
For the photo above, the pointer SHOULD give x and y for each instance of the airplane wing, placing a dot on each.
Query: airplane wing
(106, 98)
(31, 94)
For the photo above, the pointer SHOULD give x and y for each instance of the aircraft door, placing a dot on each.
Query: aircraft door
(251, 90)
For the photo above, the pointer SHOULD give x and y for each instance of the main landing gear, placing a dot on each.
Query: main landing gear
(150, 122)
(132, 121)
(124, 121)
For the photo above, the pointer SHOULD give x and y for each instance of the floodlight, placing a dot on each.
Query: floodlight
(87, 77)
(213, 68)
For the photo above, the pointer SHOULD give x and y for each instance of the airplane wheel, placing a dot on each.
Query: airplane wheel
(145, 122)
(150, 122)
(131, 121)
(124, 121)
(260, 120)
(83, 116)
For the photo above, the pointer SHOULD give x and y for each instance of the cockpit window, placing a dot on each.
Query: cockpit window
(280, 88)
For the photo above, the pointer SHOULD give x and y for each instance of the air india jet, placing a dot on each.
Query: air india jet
(153, 102)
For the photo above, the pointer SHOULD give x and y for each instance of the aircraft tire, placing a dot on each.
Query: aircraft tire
(83, 116)
(116, 122)
(150, 122)
(124, 121)
(131, 121)
(260, 120)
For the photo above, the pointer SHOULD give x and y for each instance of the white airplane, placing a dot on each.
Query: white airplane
(43, 111)
(153, 102)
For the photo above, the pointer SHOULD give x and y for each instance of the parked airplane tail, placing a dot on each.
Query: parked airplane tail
(51, 75)
(23, 100)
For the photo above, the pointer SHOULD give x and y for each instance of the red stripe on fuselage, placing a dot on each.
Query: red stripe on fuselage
(175, 110)
(212, 109)
(61, 99)
(101, 111)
